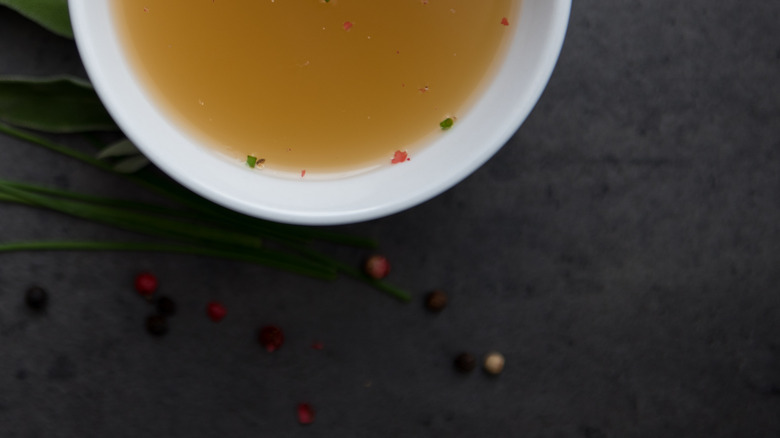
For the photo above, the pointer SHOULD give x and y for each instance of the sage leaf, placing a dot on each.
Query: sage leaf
(60, 104)
(51, 14)
(122, 148)
(131, 164)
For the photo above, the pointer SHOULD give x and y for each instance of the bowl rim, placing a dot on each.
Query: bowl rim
(433, 169)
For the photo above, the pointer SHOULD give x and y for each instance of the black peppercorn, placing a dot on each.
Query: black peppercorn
(36, 298)
(436, 301)
(157, 325)
(465, 362)
(166, 306)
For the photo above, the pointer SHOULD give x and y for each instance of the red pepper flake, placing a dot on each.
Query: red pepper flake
(305, 413)
(317, 345)
(146, 9)
(400, 157)
(216, 311)
(423, 89)
(347, 25)
(271, 337)
(303, 173)
(504, 21)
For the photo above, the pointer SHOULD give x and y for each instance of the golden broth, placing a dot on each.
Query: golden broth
(314, 85)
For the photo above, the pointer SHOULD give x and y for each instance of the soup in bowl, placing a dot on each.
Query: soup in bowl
(319, 112)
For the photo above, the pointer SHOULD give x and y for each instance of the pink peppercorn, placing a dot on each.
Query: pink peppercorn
(377, 267)
(216, 311)
(146, 284)
(305, 413)
(271, 337)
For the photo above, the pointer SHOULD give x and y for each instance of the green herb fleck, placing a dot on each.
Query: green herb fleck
(446, 123)
(251, 161)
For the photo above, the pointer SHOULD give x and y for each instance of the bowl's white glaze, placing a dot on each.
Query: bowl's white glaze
(480, 132)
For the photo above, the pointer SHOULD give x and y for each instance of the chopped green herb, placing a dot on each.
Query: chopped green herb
(251, 161)
(446, 123)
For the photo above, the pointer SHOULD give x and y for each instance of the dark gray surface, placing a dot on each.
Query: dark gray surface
(621, 251)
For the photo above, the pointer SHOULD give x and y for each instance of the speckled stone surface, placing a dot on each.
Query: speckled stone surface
(622, 252)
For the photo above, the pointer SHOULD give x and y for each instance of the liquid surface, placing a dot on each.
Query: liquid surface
(315, 85)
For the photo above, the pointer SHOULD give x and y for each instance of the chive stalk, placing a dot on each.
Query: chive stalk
(216, 240)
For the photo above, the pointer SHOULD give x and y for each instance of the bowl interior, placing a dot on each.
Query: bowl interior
(481, 131)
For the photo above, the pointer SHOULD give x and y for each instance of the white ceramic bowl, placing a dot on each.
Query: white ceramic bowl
(480, 132)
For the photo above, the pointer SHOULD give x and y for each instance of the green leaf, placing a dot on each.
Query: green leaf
(132, 160)
(131, 164)
(57, 104)
(122, 148)
(51, 14)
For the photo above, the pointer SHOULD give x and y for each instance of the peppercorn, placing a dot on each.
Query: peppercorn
(216, 311)
(377, 267)
(166, 306)
(157, 325)
(146, 284)
(436, 301)
(465, 362)
(494, 363)
(36, 298)
(305, 413)
(271, 337)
